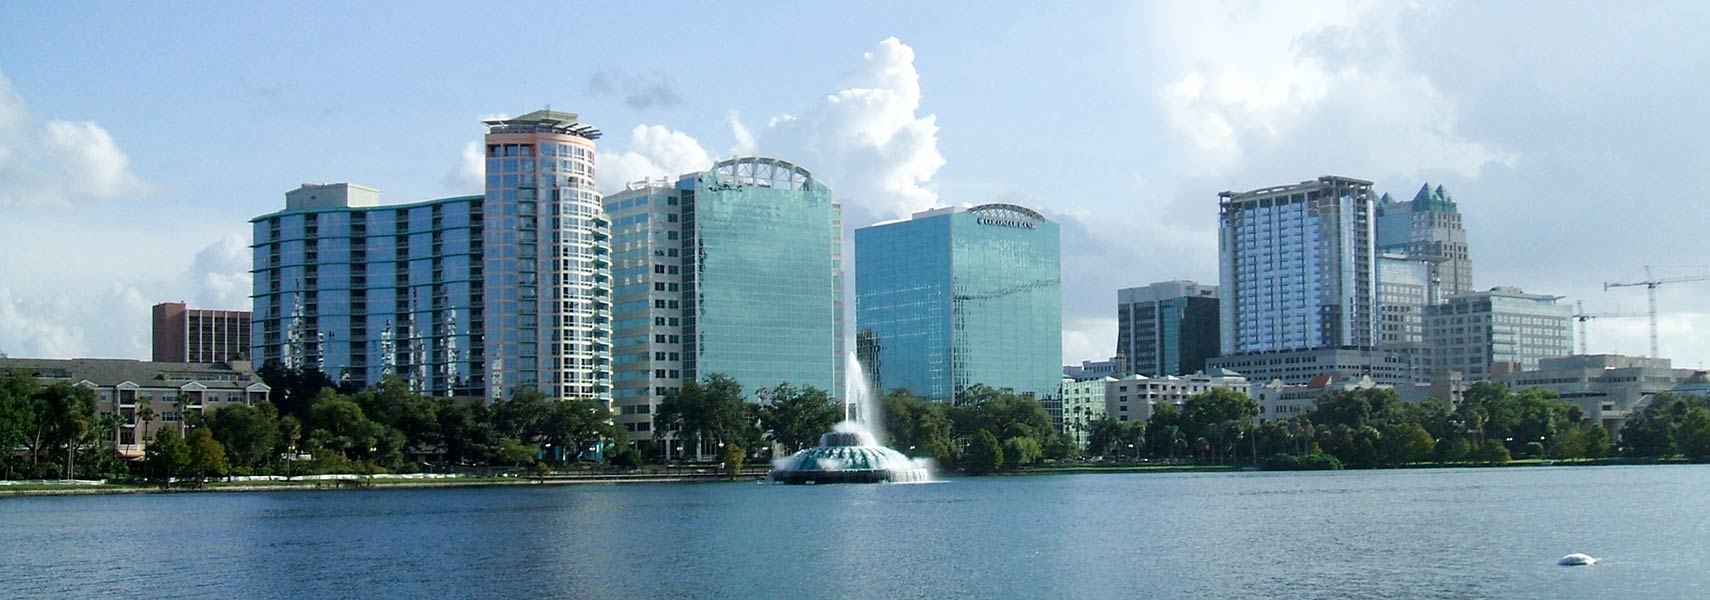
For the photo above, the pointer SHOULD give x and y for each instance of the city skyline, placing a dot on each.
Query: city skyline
(894, 125)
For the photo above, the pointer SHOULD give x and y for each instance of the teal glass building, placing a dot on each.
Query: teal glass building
(735, 270)
(955, 297)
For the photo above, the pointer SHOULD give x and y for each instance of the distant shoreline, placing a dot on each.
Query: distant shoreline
(53, 489)
(359, 483)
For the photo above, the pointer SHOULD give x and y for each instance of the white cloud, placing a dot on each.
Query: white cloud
(469, 175)
(866, 139)
(1088, 338)
(221, 272)
(110, 316)
(654, 152)
(60, 162)
(1261, 88)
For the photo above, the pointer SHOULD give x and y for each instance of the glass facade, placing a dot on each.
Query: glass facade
(363, 292)
(1297, 267)
(766, 280)
(957, 297)
(1167, 328)
(466, 296)
(548, 308)
(1428, 227)
(1490, 334)
(735, 270)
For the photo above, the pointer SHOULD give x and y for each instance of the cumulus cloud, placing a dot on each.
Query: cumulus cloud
(221, 274)
(469, 175)
(1328, 83)
(654, 151)
(639, 90)
(93, 319)
(866, 138)
(59, 162)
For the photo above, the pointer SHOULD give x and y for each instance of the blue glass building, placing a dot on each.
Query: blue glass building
(960, 296)
(734, 270)
(360, 291)
(469, 296)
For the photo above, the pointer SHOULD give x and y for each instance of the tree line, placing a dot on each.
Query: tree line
(1374, 428)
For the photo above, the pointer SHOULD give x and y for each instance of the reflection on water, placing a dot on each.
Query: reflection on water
(1374, 534)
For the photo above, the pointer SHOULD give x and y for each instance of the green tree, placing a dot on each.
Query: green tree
(1492, 452)
(68, 413)
(795, 418)
(249, 434)
(514, 452)
(1020, 451)
(1694, 435)
(576, 424)
(337, 424)
(207, 456)
(1453, 450)
(168, 455)
(17, 416)
(712, 412)
(919, 428)
(1406, 443)
(984, 454)
(391, 403)
(733, 456)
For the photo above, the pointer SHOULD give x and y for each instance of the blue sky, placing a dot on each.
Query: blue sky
(136, 141)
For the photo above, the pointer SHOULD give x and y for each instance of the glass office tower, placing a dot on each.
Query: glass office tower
(734, 270)
(960, 296)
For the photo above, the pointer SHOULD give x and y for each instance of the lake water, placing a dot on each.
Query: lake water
(1452, 533)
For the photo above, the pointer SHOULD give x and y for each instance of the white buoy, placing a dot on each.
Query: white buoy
(1577, 560)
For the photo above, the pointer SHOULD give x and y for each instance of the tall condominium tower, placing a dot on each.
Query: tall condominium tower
(1428, 227)
(1166, 328)
(360, 291)
(199, 335)
(547, 263)
(1405, 290)
(472, 295)
(736, 270)
(1297, 267)
(960, 296)
(1299, 294)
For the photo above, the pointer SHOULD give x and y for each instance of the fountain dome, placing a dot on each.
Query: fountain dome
(849, 454)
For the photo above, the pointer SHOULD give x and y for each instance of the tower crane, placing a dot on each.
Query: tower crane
(1651, 283)
(1581, 316)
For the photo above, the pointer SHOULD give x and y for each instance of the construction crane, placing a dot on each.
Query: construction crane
(1582, 316)
(1651, 283)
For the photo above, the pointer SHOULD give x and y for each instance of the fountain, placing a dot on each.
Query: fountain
(851, 452)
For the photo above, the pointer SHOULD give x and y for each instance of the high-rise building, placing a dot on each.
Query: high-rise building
(360, 291)
(469, 296)
(1405, 289)
(736, 270)
(1299, 287)
(199, 335)
(1486, 335)
(1428, 227)
(547, 320)
(954, 297)
(1166, 328)
(1297, 267)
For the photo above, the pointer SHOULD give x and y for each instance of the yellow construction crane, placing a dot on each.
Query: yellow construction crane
(1582, 316)
(1651, 283)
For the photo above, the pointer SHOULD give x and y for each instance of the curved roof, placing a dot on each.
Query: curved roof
(1006, 211)
(764, 171)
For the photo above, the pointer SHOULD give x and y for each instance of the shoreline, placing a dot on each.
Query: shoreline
(70, 489)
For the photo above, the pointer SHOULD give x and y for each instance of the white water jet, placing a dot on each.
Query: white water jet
(859, 392)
